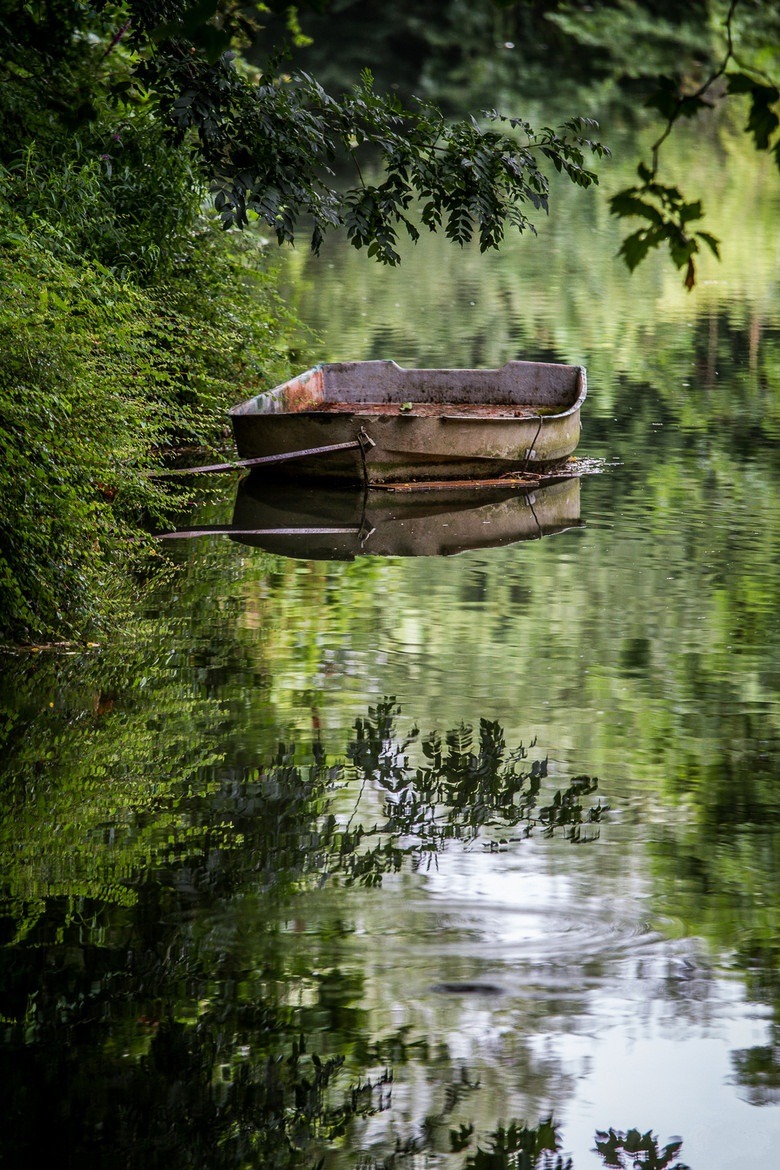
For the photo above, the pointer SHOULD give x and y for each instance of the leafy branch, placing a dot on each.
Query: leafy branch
(270, 148)
(667, 213)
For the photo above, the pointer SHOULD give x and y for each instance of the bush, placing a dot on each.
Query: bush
(98, 378)
(116, 192)
(129, 323)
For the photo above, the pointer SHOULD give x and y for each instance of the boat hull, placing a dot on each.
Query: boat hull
(382, 424)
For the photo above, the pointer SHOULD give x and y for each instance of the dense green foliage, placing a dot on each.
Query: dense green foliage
(456, 51)
(267, 143)
(98, 376)
(129, 321)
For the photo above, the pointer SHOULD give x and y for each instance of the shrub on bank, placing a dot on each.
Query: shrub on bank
(99, 376)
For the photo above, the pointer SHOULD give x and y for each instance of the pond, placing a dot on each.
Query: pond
(408, 860)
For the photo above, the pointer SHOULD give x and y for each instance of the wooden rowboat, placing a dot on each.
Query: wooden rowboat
(377, 423)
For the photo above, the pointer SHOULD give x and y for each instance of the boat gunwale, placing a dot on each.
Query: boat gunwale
(252, 406)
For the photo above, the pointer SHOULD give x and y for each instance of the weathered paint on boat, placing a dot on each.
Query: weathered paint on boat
(389, 424)
(340, 524)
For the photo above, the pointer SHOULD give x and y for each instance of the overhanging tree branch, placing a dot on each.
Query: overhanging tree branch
(270, 148)
(666, 211)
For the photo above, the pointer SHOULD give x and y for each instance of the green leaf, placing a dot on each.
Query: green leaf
(665, 98)
(627, 203)
(681, 247)
(691, 211)
(739, 83)
(763, 121)
(690, 105)
(635, 247)
(712, 242)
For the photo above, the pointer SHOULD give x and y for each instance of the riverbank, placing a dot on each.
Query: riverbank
(102, 376)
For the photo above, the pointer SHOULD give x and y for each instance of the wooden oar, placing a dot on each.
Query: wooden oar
(227, 530)
(363, 442)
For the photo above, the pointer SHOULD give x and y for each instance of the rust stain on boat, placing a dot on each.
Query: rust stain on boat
(429, 409)
(304, 392)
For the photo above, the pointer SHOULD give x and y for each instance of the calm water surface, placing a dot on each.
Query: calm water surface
(381, 860)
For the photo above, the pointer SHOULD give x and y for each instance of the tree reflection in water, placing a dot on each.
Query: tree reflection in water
(466, 787)
(131, 1025)
(628, 1151)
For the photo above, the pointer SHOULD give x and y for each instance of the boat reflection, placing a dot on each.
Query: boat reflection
(312, 523)
(332, 524)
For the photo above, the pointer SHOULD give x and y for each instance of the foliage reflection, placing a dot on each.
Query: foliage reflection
(130, 1023)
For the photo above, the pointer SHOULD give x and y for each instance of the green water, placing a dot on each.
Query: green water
(380, 943)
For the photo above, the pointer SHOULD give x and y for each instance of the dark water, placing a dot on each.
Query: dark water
(388, 860)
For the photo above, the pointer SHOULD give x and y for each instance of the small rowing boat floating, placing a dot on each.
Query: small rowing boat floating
(378, 423)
